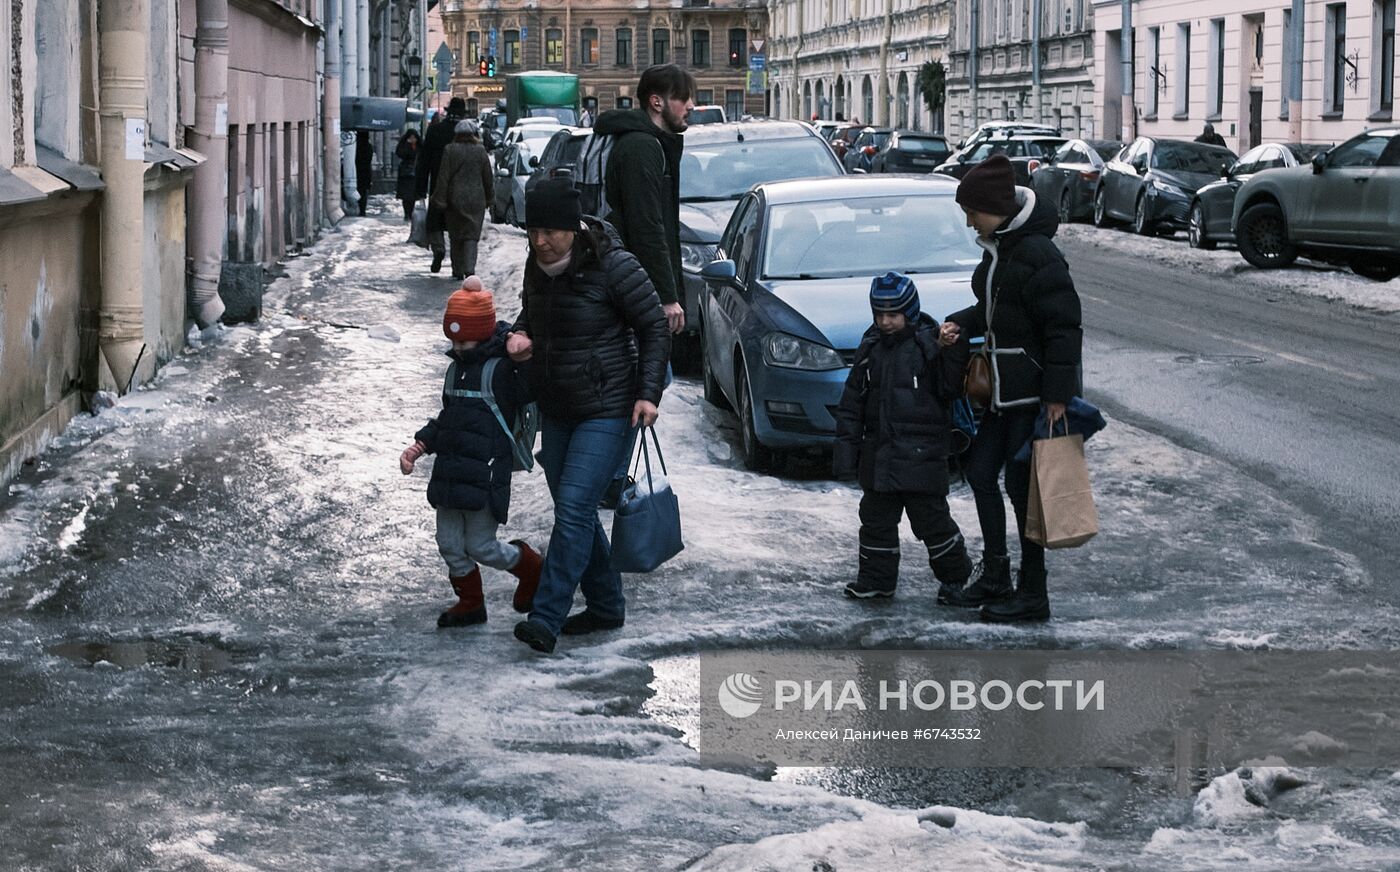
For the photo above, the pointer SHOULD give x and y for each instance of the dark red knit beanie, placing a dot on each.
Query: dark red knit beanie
(989, 187)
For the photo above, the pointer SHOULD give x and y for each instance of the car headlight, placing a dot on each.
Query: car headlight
(782, 349)
(1168, 188)
(694, 255)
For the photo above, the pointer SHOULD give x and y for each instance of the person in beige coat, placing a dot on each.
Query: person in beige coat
(461, 191)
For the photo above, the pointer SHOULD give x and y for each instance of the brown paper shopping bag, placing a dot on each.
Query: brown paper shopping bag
(1060, 512)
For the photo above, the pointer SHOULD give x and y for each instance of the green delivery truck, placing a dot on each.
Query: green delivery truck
(542, 94)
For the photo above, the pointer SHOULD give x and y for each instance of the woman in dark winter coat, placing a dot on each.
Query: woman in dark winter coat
(461, 191)
(364, 167)
(591, 324)
(1028, 312)
(407, 188)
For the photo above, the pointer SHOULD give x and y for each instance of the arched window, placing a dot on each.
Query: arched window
(867, 99)
(840, 98)
(820, 107)
(806, 100)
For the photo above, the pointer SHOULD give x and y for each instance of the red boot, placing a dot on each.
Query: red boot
(470, 607)
(527, 569)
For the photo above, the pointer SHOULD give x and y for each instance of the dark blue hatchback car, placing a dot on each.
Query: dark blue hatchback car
(785, 306)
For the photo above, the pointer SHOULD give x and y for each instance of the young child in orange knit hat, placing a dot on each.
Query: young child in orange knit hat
(470, 485)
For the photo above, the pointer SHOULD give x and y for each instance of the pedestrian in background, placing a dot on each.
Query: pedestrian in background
(893, 434)
(439, 136)
(593, 326)
(407, 188)
(1028, 312)
(364, 167)
(460, 194)
(643, 188)
(470, 487)
(1209, 136)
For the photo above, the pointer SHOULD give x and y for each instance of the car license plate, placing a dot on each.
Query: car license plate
(924, 162)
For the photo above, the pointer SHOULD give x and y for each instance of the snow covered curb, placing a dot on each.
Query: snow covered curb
(1306, 277)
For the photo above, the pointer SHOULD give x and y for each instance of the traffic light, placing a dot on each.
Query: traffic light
(491, 67)
(481, 67)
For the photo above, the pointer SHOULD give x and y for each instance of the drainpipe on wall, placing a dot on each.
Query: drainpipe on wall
(1128, 126)
(208, 207)
(364, 88)
(975, 23)
(124, 29)
(330, 115)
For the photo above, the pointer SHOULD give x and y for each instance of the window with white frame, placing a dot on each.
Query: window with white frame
(1154, 69)
(57, 79)
(1286, 77)
(1334, 85)
(1215, 71)
(1383, 57)
(1182, 107)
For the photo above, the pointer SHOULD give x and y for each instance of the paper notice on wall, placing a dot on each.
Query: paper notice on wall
(135, 139)
(221, 119)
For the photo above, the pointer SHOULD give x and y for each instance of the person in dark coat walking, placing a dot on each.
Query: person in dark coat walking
(592, 326)
(1209, 136)
(364, 167)
(407, 188)
(1028, 312)
(644, 192)
(460, 194)
(893, 429)
(439, 136)
(470, 487)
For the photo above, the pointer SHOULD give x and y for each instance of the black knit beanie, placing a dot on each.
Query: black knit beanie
(989, 187)
(553, 205)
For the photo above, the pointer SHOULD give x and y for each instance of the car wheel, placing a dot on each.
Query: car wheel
(712, 392)
(510, 214)
(1142, 225)
(1196, 229)
(1065, 217)
(1100, 208)
(757, 456)
(1263, 237)
(1376, 268)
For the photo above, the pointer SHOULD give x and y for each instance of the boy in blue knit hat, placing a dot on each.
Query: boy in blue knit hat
(893, 433)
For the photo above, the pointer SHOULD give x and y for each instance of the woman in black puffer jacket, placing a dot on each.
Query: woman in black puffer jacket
(593, 328)
(1028, 312)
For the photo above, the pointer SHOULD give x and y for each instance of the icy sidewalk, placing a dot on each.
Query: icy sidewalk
(245, 525)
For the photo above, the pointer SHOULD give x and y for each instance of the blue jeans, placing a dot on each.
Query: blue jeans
(578, 460)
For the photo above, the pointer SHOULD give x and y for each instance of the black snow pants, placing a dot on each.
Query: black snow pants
(933, 525)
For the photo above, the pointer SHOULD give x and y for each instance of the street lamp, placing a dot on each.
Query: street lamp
(413, 72)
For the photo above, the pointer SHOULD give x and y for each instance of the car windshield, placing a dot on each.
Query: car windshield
(868, 236)
(725, 170)
(1106, 150)
(537, 133)
(1185, 157)
(562, 114)
(705, 116)
(923, 145)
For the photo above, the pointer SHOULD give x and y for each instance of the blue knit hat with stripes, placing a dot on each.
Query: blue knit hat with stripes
(894, 292)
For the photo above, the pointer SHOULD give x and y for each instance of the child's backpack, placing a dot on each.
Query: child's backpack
(527, 421)
(591, 175)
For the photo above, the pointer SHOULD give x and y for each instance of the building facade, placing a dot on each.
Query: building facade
(1030, 60)
(608, 43)
(855, 60)
(1226, 64)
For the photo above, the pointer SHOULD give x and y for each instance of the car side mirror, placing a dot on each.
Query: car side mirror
(503, 173)
(534, 161)
(1227, 170)
(860, 170)
(1319, 162)
(719, 271)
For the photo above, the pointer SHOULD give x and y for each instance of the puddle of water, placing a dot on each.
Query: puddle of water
(186, 655)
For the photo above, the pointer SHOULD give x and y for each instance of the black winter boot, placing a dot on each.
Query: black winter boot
(878, 574)
(535, 636)
(951, 566)
(438, 255)
(1029, 604)
(589, 621)
(990, 583)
